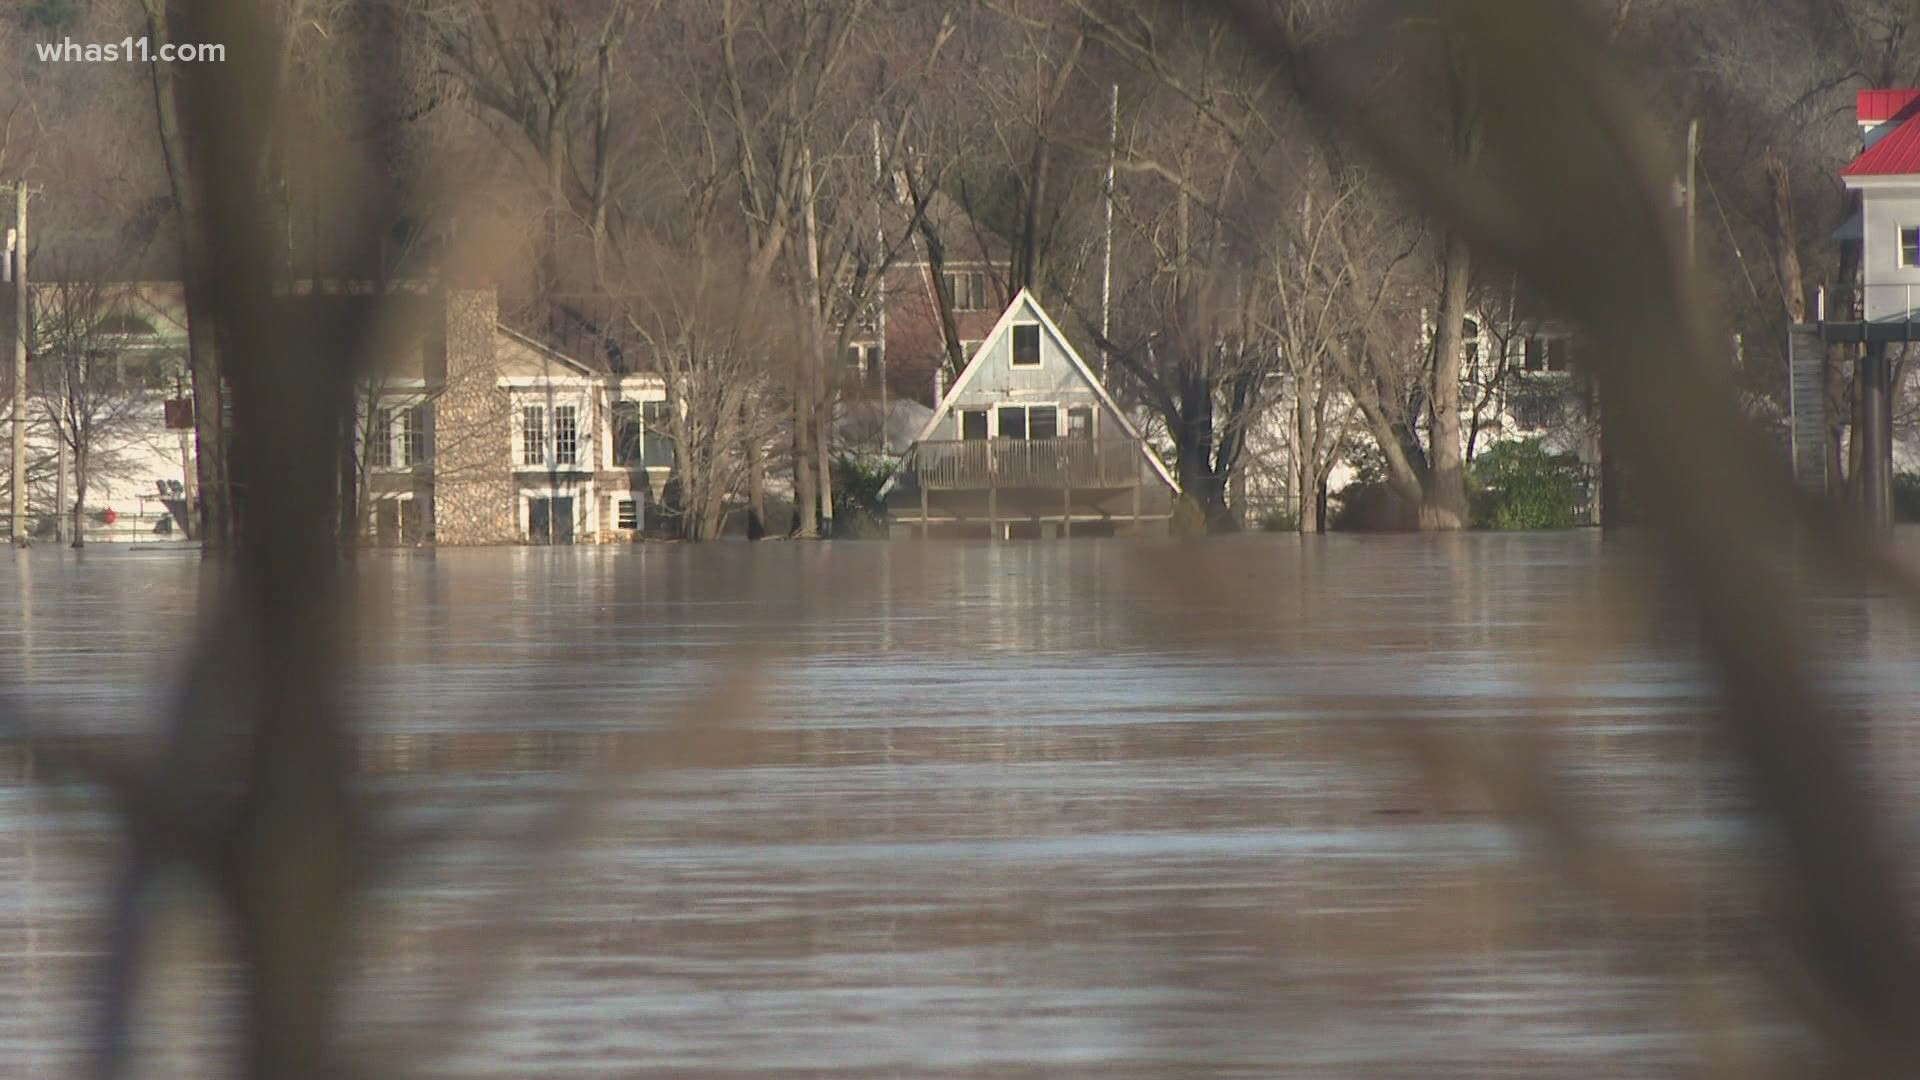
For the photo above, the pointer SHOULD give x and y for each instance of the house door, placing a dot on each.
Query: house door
(386, 522)
(550, 521)
(973, 423)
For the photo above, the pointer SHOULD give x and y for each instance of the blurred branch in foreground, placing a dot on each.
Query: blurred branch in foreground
(1565, 165)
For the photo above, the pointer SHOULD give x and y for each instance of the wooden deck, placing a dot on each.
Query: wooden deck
(978, 464)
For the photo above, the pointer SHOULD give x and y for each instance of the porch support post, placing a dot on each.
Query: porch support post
(1066, 509)
(993, 505)
(1876, 459)
(924, 527)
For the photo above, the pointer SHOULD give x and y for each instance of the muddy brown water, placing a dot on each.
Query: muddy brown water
(1031, 809)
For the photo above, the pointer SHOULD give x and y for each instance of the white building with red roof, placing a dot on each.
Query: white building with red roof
(1887, 176)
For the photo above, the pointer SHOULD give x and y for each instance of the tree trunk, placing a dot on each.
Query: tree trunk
(817, 327)
(1305, 466)
(756, 477)
(209, 397)
(1445, 504)
(804, 492)
(79, 495)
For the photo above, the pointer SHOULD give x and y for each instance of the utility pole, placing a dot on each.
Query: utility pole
(1106, 268)
(880, 288)
(17, 272)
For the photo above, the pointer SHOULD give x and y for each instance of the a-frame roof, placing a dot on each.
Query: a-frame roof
(1025, 301)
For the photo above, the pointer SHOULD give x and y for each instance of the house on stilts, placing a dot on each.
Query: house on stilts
(1028, 444)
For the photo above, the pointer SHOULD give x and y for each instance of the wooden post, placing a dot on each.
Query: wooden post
(993, 503)
(1066, 509)
(924, 527)
(1876, 459)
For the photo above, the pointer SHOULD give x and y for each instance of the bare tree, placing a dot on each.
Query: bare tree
(96, 397)
(716, 348)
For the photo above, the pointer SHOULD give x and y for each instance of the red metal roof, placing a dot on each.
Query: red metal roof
(1896, 154)
(1873, 106)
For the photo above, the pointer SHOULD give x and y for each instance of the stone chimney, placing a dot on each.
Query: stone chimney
(474, 499)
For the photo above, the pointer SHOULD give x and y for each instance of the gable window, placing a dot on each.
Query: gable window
(966, 289)
(380, 439)
(626, 433)
(566, 435)
(973, 423)
(656, 449)
(533, 435)
(1080, 422)
(1910, 245)
(1026, 345)
(413, 435)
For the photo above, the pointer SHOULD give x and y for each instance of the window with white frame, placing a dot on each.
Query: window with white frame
(1539, 352)
(626, 433)
(533, 435)
(413, 435)
(1026, 345)
(566, 435)
(1080, 422)
(966, 289)
(1028, 421)
(380, 439)
(1910, 245)
(656, 449)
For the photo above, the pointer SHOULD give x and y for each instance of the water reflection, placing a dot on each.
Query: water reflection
(1028, 809)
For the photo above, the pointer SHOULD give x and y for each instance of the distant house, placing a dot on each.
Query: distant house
(1887, 177)
(1027, 443)
(484, 435)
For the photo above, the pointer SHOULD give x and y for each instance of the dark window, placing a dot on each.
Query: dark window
(380, 439)
(1533, 358)
(1559, 354)
(1080, 422)
(656, 438)
(1910, 246)
(1026, 345)
(967, 289)
(1043, 422)
(566, 435)
(1013, 421)
(973, 424)
(629, 514)
(626, 433)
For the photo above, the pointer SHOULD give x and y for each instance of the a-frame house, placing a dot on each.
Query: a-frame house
(1027, 443)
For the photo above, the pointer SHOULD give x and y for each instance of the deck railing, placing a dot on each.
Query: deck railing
(953, 464)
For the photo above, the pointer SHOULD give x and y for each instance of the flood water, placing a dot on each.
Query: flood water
(1049, 809)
